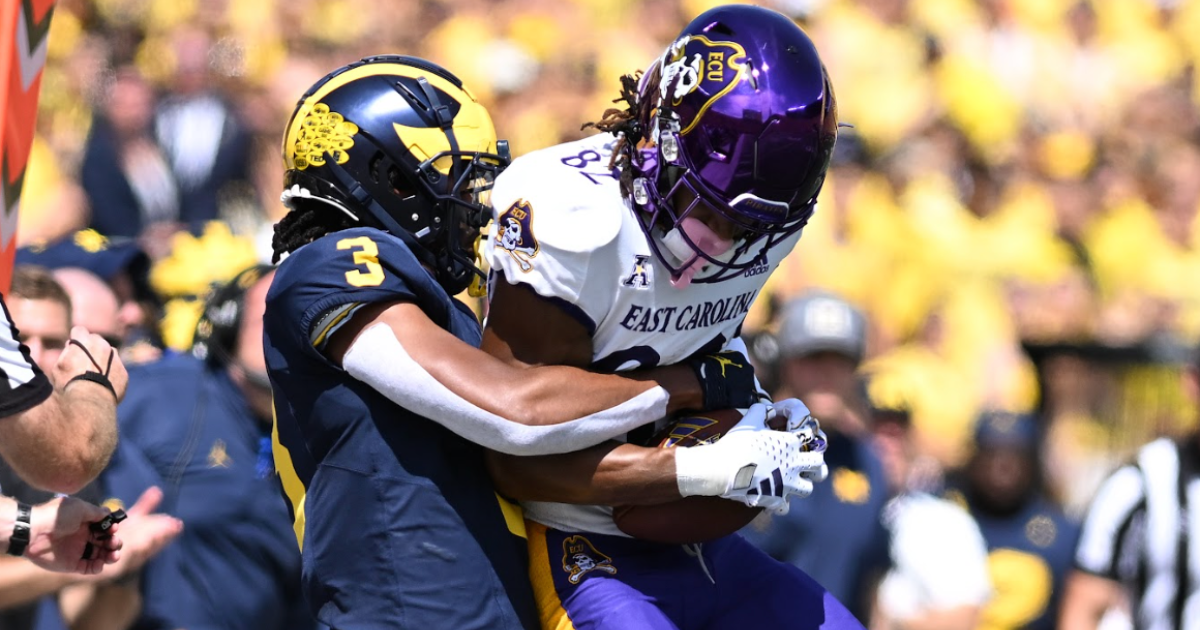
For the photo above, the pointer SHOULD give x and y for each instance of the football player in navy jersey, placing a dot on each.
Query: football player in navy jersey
(384, 403)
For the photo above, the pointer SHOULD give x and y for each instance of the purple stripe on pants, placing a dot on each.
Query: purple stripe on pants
(614, 583)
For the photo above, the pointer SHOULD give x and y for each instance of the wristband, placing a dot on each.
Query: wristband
(21, 527)
(95, 377)
(726, 380)
(100, 376)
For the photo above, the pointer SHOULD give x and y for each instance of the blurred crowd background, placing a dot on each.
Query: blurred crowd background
(1014, 210)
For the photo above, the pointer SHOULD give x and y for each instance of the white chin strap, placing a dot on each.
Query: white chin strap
(297, 192)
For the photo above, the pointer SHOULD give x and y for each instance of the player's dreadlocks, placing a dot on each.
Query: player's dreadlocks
(305, 223)
(627, 125)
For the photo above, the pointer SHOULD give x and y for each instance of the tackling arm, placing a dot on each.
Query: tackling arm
(607, 474)
(399, 351)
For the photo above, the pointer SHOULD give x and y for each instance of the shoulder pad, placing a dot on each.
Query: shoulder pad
(573, 212)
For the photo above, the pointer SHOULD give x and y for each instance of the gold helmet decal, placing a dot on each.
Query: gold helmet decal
(316, 134)
(322, 132)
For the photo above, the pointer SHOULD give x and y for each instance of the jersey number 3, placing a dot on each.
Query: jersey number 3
(366, 253)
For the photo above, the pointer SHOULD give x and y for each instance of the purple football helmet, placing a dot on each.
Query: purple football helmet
(739, 111)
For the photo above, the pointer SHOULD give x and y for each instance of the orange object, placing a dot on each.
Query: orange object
(24, 30)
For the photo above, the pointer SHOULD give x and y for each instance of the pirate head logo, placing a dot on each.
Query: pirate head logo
(696, 72)
(514, 232)
(580, 557)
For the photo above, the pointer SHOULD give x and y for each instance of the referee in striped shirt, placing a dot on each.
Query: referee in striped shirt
(1140, 546)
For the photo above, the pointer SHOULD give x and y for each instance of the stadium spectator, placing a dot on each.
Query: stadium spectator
(1029, 538)
(125, 173)
(202, 136)
(837, 536)
(939, 573)
(125, 267)
(203, 424)
(94, 304)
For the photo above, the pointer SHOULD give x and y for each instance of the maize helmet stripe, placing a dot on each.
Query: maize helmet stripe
(472, 117)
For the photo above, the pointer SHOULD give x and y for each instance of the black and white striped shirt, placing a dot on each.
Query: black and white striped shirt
(1143, 530)
(22, 384)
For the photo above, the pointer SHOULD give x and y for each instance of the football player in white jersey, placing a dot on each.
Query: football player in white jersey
(646, 246)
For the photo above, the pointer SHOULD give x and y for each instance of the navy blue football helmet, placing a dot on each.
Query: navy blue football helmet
(398, 143)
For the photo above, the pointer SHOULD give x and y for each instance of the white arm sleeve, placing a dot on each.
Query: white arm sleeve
(378, 359)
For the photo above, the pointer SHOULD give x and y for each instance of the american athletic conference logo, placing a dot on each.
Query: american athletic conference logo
(639, 274)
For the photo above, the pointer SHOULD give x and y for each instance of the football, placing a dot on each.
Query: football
(691, 519)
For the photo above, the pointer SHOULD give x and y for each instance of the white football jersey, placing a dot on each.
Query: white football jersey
(562, 227)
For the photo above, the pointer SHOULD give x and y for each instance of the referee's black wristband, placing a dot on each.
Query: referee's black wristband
(96, 377)
(20, 534)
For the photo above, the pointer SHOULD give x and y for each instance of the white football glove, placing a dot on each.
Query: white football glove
(801, 422)
(751, 463)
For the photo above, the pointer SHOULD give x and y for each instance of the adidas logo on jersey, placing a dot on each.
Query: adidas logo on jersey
(758, 268)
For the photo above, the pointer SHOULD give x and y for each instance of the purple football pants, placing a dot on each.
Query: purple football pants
(593, 582)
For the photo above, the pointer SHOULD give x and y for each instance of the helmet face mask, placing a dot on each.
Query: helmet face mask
(740, 115)
(399, 144)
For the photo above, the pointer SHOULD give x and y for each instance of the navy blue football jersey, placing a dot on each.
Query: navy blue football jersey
(397, 518)
(1029, 555)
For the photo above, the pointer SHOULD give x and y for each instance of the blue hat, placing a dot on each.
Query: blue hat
(1000, 429)
(88, 249)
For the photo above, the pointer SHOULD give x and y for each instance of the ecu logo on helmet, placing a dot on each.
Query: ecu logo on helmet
(697, 63)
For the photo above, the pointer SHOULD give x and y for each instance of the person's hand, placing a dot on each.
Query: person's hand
(59, 536)
(89, 357)
(726, 379)
(800, 422)
(751, 463)
(144, 534)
